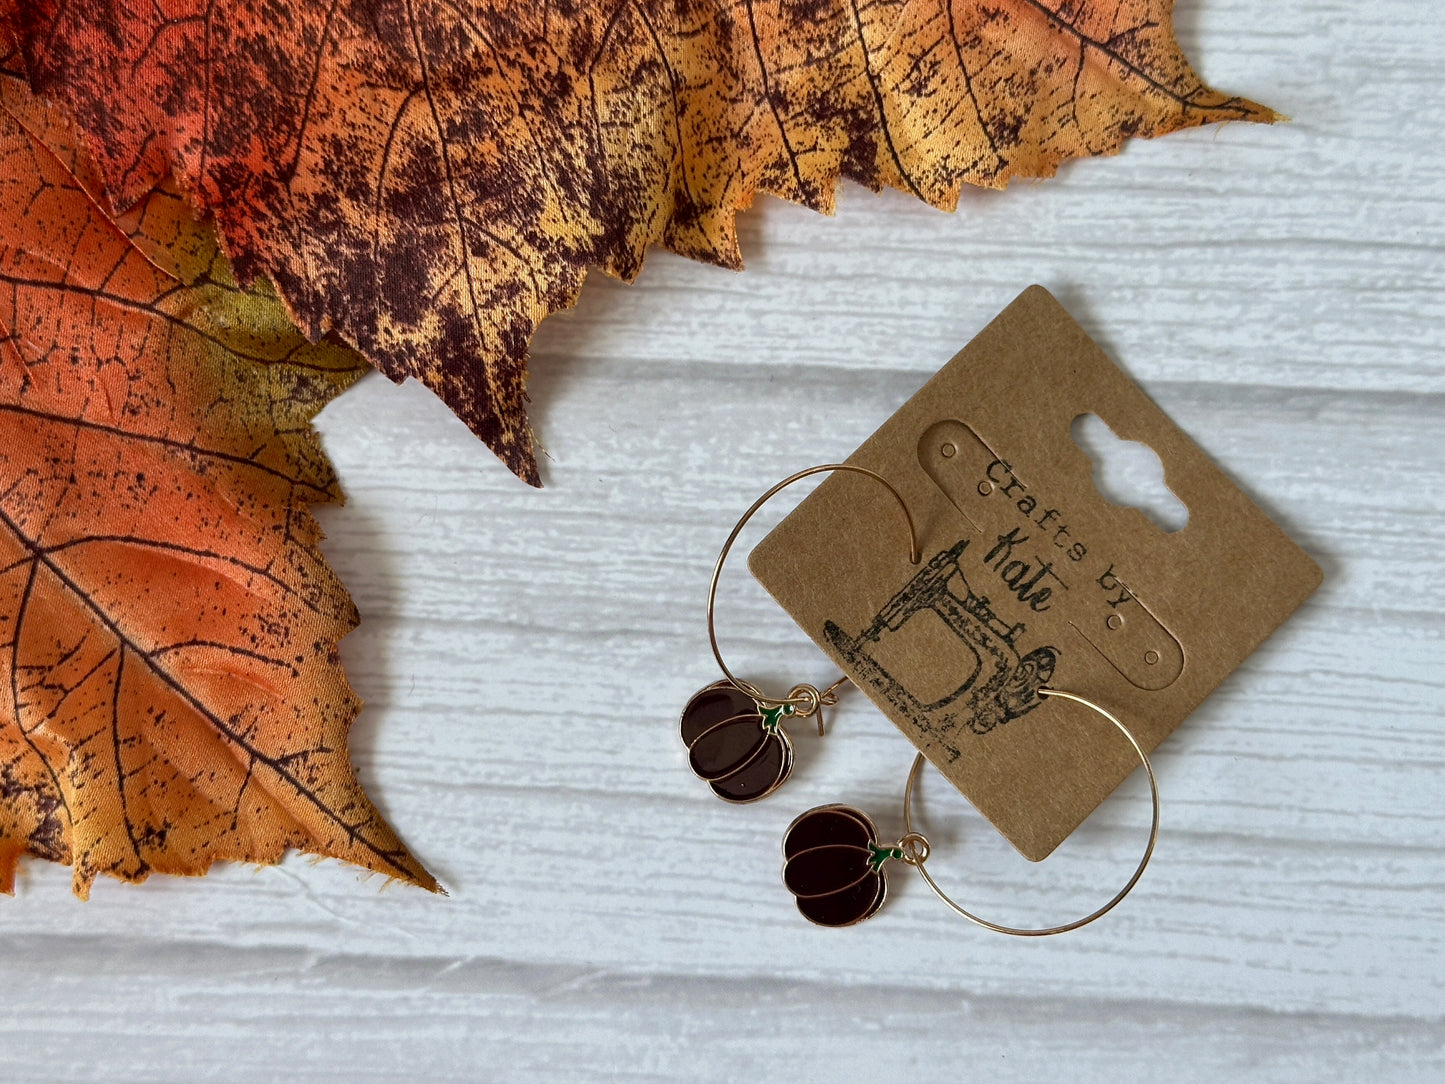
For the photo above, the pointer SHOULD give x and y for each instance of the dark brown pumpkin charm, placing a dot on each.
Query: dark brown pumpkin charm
(739, 747)
(833, 864)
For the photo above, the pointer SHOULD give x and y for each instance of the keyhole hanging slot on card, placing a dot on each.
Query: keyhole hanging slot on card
(1129, 473)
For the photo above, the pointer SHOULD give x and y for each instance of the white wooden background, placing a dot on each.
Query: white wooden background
(524, 656)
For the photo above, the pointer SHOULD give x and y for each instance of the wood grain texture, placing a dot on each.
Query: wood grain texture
(1277, 291)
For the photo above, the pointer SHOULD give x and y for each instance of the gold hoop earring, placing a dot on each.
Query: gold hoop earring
(733, 730)
(834, 865)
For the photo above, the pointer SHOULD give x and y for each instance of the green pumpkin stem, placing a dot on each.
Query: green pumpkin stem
(878, 855)
(773, 717)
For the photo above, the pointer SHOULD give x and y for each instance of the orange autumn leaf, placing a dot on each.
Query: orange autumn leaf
(434, 177)
(170, 691)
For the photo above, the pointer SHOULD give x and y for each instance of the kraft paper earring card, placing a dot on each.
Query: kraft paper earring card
(1029, 577)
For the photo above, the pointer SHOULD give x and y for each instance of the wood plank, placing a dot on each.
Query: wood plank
(201, 1011)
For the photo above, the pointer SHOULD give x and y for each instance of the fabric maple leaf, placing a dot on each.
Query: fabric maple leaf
(170, 691)
(434, 177)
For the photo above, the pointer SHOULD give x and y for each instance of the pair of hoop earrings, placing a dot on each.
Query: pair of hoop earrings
(833, 861)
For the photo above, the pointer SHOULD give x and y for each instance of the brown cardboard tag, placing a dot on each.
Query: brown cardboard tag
(1029, 576)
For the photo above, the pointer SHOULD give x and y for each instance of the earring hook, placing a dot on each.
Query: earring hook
(915, 846)
(801, 696)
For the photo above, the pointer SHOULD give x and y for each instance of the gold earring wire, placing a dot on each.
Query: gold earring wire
(804, 699)
(914, 846)
(733, 730)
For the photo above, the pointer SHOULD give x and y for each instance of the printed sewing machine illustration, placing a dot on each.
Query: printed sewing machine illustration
(975, 679)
